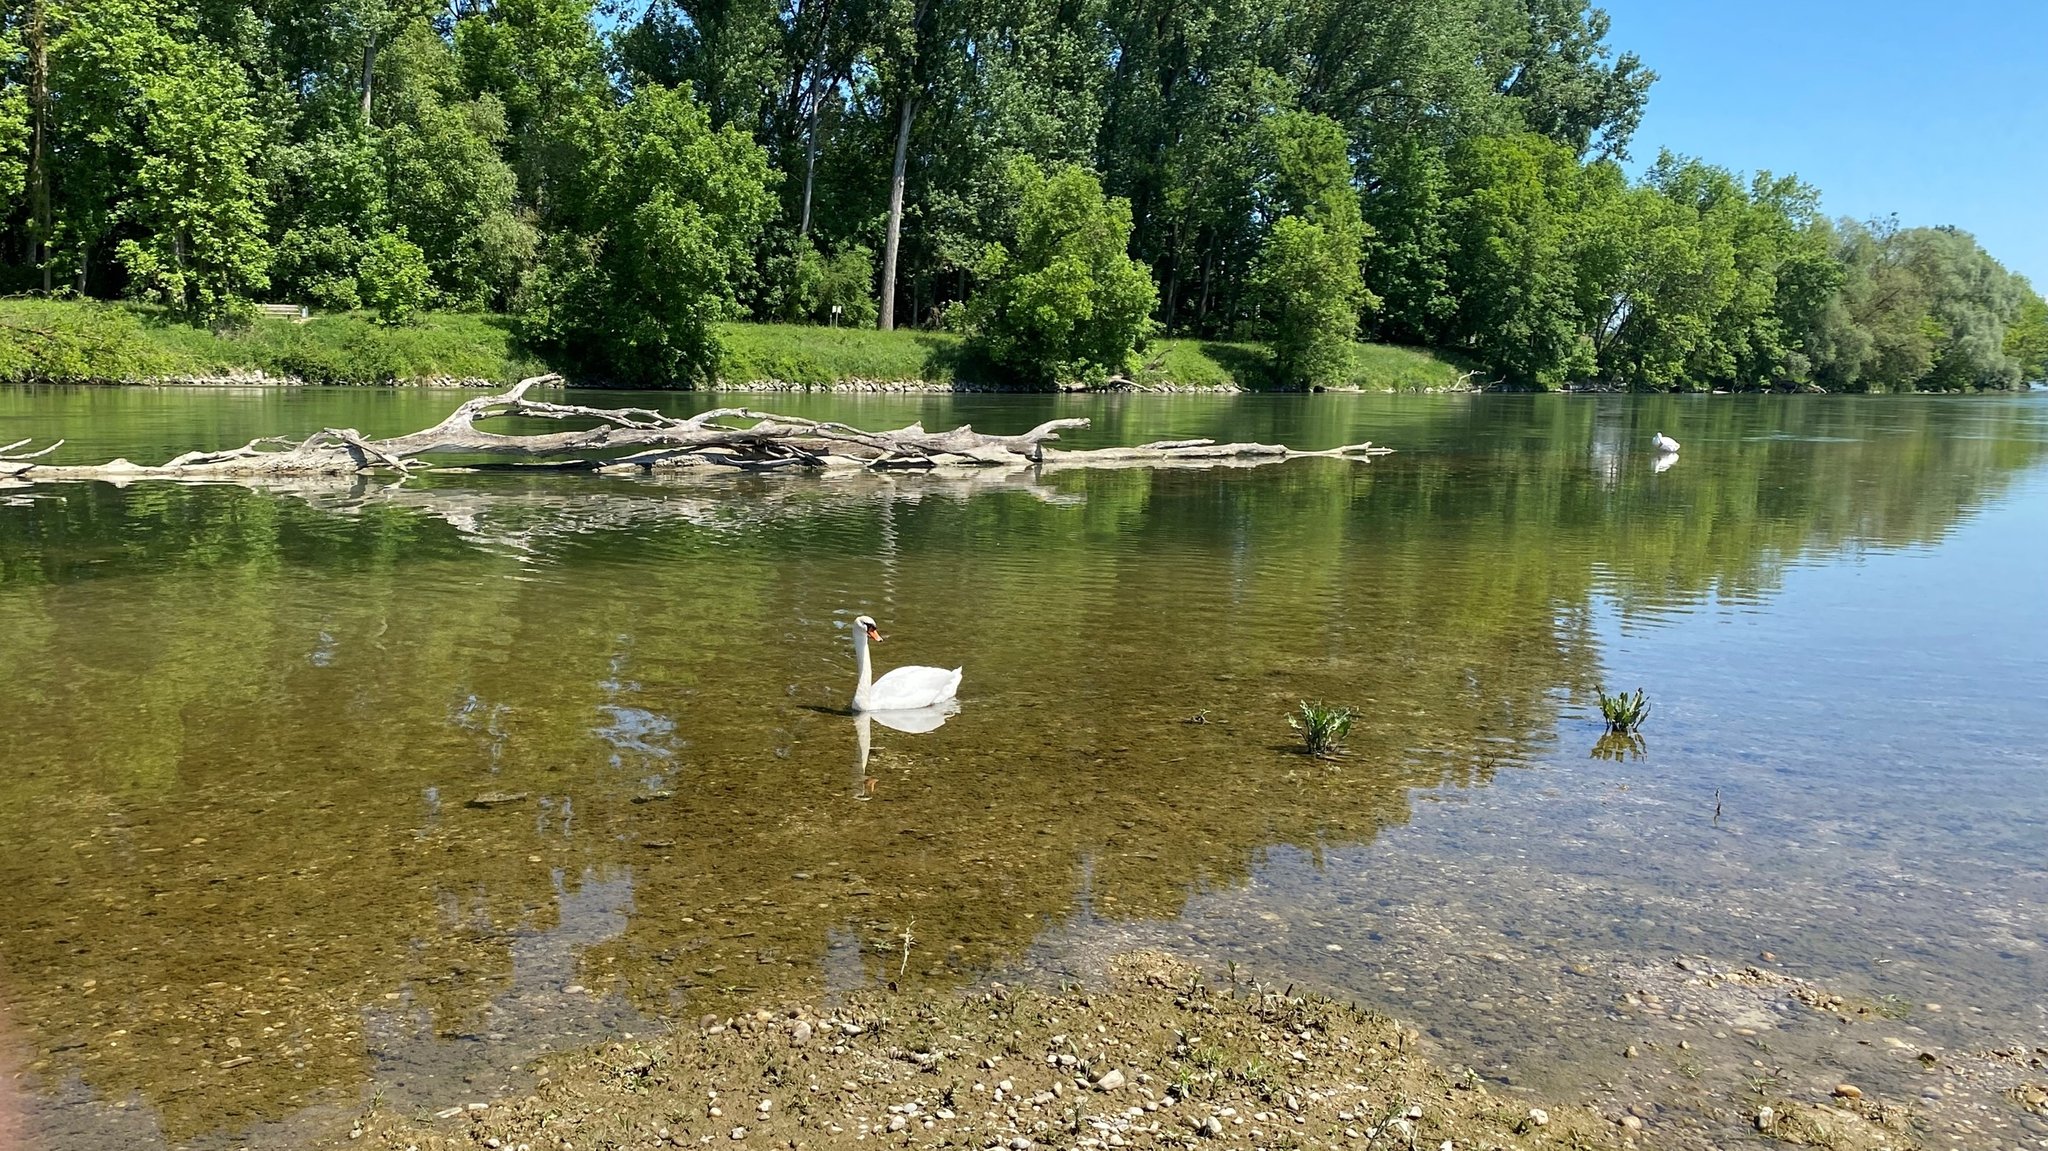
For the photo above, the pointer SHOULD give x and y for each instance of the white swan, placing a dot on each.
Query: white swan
(904, 689)
(1663, 443)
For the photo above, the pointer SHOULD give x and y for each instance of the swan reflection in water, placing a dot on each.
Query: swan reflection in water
(1663, 463)
(913, 721)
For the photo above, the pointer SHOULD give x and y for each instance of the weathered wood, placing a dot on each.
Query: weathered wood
(617, 440)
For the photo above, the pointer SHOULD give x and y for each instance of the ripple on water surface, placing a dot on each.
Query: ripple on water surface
(342, 790)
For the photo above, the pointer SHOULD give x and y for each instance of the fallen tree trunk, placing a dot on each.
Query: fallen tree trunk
(641, 440)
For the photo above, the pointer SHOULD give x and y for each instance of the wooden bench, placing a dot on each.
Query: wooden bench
(296, 313)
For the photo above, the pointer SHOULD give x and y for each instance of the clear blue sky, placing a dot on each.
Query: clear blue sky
(1935, 111)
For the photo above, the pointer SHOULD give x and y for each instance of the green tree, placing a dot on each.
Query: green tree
(631, 290)
(1307, 277)
(195, 198)
(1062, 301)
(2026, 341)
(394, 280)
(1512, 225)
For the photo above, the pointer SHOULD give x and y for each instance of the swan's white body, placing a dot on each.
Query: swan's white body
(1663, 443)
(905, 688)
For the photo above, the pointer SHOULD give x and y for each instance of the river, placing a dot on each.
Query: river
(329, 792)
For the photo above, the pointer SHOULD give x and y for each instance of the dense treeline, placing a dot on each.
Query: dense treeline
(1060, 178)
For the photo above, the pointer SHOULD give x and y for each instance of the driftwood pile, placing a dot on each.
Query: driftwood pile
(627, 440)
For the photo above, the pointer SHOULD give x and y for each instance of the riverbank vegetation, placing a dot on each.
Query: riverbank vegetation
(73, 341)
(1053, 188)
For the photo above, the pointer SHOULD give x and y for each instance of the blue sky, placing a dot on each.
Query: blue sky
(1938, 112)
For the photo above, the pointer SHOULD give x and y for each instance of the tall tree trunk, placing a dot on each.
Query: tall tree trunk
(38, 164)
(812, 98)
(895, 233)
(810, 158)
(369, 73)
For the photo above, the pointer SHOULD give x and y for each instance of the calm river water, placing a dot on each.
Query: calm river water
(246, 884)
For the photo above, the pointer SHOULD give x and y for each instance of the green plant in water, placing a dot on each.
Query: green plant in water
(1322, 726)
(1624, 712)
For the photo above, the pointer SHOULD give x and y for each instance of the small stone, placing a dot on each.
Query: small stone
(1539, 1116)
(1020, 1143)
(1630, 1051)
(765, 1106)
(1212, 1127)
(497, 798)
(1767, 957)
(1110, 1081)
(739, 1133)
(800, 1034)
(1765, 1117)
(1848, 1091)
(1631, 1123)
(898, 1123)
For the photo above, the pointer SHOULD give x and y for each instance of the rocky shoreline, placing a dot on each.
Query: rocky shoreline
(1158, 1057)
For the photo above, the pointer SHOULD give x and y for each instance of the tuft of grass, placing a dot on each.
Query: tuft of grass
(1322, 727)
(1624, 712)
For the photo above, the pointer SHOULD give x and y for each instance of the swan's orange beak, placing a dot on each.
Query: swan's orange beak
(873, 634)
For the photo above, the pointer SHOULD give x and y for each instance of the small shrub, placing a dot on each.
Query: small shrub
(1322, 726)
(1624, 712)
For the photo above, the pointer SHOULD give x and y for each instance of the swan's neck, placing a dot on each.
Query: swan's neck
(867, 674)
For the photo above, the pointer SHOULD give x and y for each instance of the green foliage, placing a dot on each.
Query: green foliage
(1307, 277)
(1062, 302)
(1322, 727)
(2026, 341)
(632, 291)
(1919, 308)
(1623, 712)
(847, 280)
(623, 180)
(394, 280)
(317, 266)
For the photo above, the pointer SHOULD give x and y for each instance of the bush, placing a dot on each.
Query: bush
(393, 279)
(848, 280)
(1064, 301)
(318, 266)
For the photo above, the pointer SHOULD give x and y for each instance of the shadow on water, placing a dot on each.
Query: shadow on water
(363, 787)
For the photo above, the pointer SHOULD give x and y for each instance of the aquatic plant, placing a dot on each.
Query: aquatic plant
(1624, 712)
(1322, 726)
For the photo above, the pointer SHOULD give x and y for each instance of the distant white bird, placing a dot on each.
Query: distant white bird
(1663, 443)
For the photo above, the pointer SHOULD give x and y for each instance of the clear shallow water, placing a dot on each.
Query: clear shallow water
(244, 729)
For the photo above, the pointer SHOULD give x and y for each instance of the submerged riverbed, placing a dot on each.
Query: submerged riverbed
(327, 793)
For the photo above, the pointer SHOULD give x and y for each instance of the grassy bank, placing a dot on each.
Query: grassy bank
(64, 341)
(90, 341)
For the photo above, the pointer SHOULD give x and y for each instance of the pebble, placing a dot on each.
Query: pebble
(1632, 1123)
(1539, 1116)
(1110, 1081)
(800, 1034)
(898, 1123)
(739, 1133)
(1212, 1127)
(1848, 1091)
(1764, 1118)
